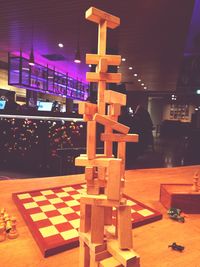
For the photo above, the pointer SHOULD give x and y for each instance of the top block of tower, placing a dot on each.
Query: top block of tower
(97, 16)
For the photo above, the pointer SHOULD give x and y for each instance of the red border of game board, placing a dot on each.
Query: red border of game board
(48, 250)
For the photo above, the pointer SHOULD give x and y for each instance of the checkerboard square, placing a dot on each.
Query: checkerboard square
(62, 194)
(75, 223)
(66, 210)
(68, 189)
(58, 219)
(47, 208)
(38, 216)
(77, 196)
(39, 198)
(47, 192)
(48, 231)
(55, 200)
(30, 205)
(69, 234)
(145, 212)
(72, 203)
(24, 196)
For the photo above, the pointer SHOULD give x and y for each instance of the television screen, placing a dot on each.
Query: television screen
(2, 104)
(45, 106)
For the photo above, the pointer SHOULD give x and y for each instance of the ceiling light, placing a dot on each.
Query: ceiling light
(142, 84)
(135, 74)
(31, 58)
(145, 87)
(130, 68)
(89, 65)
(61, 45)
(123, 59)
(77, 58)
(139, 80)
(118, 67)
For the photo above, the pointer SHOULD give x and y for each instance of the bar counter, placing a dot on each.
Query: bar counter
(150, 241)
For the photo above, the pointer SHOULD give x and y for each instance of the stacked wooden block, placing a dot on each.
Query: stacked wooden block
(101, 242)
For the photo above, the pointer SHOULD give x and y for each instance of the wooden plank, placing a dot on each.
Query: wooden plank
(103, 65)
(113, 60)
(121, 154)
(113, 97)
(114, 178)
(97, 224)
(104, 120)
(114, 109)
(96, 15)
(96, 248)
(87, 117)
(120, 137)
(127, 258)
(110, 262)
(84, 254)
(85, 214)
(84, 161)
(108, 215)
(89, 173)
(107, 77)
(91, 139)
(100, 97)
(108, 145)
(87, 108)
(124, 227)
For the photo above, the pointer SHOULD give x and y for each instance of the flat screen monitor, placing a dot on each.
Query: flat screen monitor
(45, 106)
(2, 104)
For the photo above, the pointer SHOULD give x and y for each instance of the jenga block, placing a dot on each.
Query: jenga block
(93, 263)
(96, 15)
(114, 109)
(127, 258)
(101, 173)
(103, 65)
(91, 139)
(110, 232)
(113, 97)
(121, 154)
(110, 262)
(113, 60)
(101, 201)
(100, 97)
(108, 215)
(85, 215)
(98, 156)
(119, 137)
(93, 189)
(102, 37)
(114, 179)
(87, 108)
(96, 248)
(124, 226)
(108, 145)
(107, 77)
(100, 255)
(89, 173)
(87, 117)
(97, 224)
(102, 161)
(84, 255)
(111, 123)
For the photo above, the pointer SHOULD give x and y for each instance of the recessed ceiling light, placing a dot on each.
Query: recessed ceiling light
(61, 45)
(123, 59)
(130, 68)
(118, 67)
(139, 80)
(145, 87)
(89, 65)
(142, 84)
(135, 74)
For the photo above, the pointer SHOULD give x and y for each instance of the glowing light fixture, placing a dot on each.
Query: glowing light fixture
(139, 80)
(123, 59)
(61, 45)
(135, 74)
(31, 58)
(130, 68)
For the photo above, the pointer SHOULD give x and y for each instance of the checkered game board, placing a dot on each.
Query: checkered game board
(52, 216)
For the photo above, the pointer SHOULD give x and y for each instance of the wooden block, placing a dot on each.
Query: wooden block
(114, 109)
(119, 137)
(108, 215)
(101, 201)
(100, 255)
(102, 119)
(108, 145)
(110, 262)
(103, 65)
(124, 227)
(121, 154)
(87, 108)
(96, 248)
(101, 173)
(112, 97)
(97, 224)
(114, 178)
(101, 161)
(127, 258)
(85, 215)
(102, 37)
(96, 15)
(91, 139)
(107, 77)
(93, 189)
(89, 173)
(87, 117)
(180, 196)
(110, 232)
(100, 97)
(113, 60)
(84, 252)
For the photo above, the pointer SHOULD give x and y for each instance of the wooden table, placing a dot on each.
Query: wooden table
(150, 241)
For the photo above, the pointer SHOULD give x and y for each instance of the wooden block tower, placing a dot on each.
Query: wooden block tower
(103, 243)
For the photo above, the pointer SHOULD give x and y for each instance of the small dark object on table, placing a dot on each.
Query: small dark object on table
(174, 214)
(174, 246)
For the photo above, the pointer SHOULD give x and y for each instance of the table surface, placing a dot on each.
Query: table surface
(150, 241)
